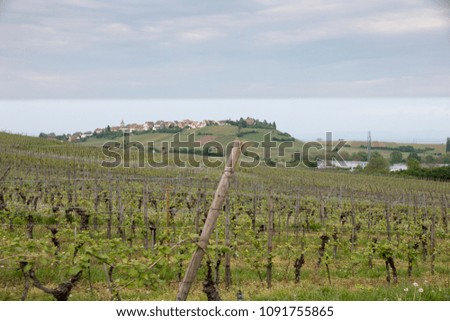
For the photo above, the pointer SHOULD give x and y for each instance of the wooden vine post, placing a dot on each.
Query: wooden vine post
(211, 220)
(270, 233)
(228, 280)
(146, 220)
(433, 241)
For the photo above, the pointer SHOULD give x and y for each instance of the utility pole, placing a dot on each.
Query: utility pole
(369, 146)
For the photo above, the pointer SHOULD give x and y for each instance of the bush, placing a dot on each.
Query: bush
(396, 157)
(377, 164)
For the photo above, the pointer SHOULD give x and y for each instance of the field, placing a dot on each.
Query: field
(433, 150)
(73, 230)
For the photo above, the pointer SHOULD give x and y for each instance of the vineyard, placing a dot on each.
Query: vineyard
(73, 230)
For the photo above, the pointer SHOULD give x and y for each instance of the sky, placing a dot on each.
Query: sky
(309, 56)
(404, 120)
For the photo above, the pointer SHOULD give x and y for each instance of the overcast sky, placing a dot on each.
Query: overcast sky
(221, 49)
(406, 120)
(62, 60)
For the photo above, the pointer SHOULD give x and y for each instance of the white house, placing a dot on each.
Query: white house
(398, 167)
(350, 165)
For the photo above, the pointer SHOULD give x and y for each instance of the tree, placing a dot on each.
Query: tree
(345, 155)
(396, 157)
(242, 123)
(377, 164)
(360, 157)
(448, 145)
(415, 156)
(446, 160)
(413, 165)
(429, 159)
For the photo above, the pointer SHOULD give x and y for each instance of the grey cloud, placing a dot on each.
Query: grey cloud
(256, 48)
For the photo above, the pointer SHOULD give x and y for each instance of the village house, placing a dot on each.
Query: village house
(159, 125)
(185, 123)
(398, 167)
(250, 121)
(170, 124)
(130, 128)
(86, 135)
(149, 125)
(349, 165)
(156, 126)
(223, 122)
(73, 138)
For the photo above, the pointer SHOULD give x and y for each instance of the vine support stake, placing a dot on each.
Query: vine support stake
(146, 220)
(213, 214)
(270, 233)
(228, 280)
(433, 241)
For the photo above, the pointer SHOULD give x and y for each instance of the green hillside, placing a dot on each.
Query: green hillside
(223, 134)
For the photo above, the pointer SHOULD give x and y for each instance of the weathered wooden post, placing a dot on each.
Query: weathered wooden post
(146, 220)
(211, 220)
(388, 218)
(433, 241)
(270, 233)
(228, 280)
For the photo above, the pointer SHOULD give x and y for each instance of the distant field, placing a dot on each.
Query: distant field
(356, 147)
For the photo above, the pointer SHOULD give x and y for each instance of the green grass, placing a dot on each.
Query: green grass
(311, 288)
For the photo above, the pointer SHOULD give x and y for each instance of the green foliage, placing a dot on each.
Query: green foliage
(283, 139)
(248, 132)
(429, 159)
(402, 149)
(377, 165)
(386, 250)
(436, 173)
(54, 136)
(413, 165)
(168, 130)
(415, 156)
(359, 157)
(242, 123)
(396, 157)
(108, 134)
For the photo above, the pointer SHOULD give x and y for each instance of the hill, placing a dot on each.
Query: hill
(223, 134)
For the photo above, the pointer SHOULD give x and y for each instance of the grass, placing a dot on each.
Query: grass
(315, 289)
